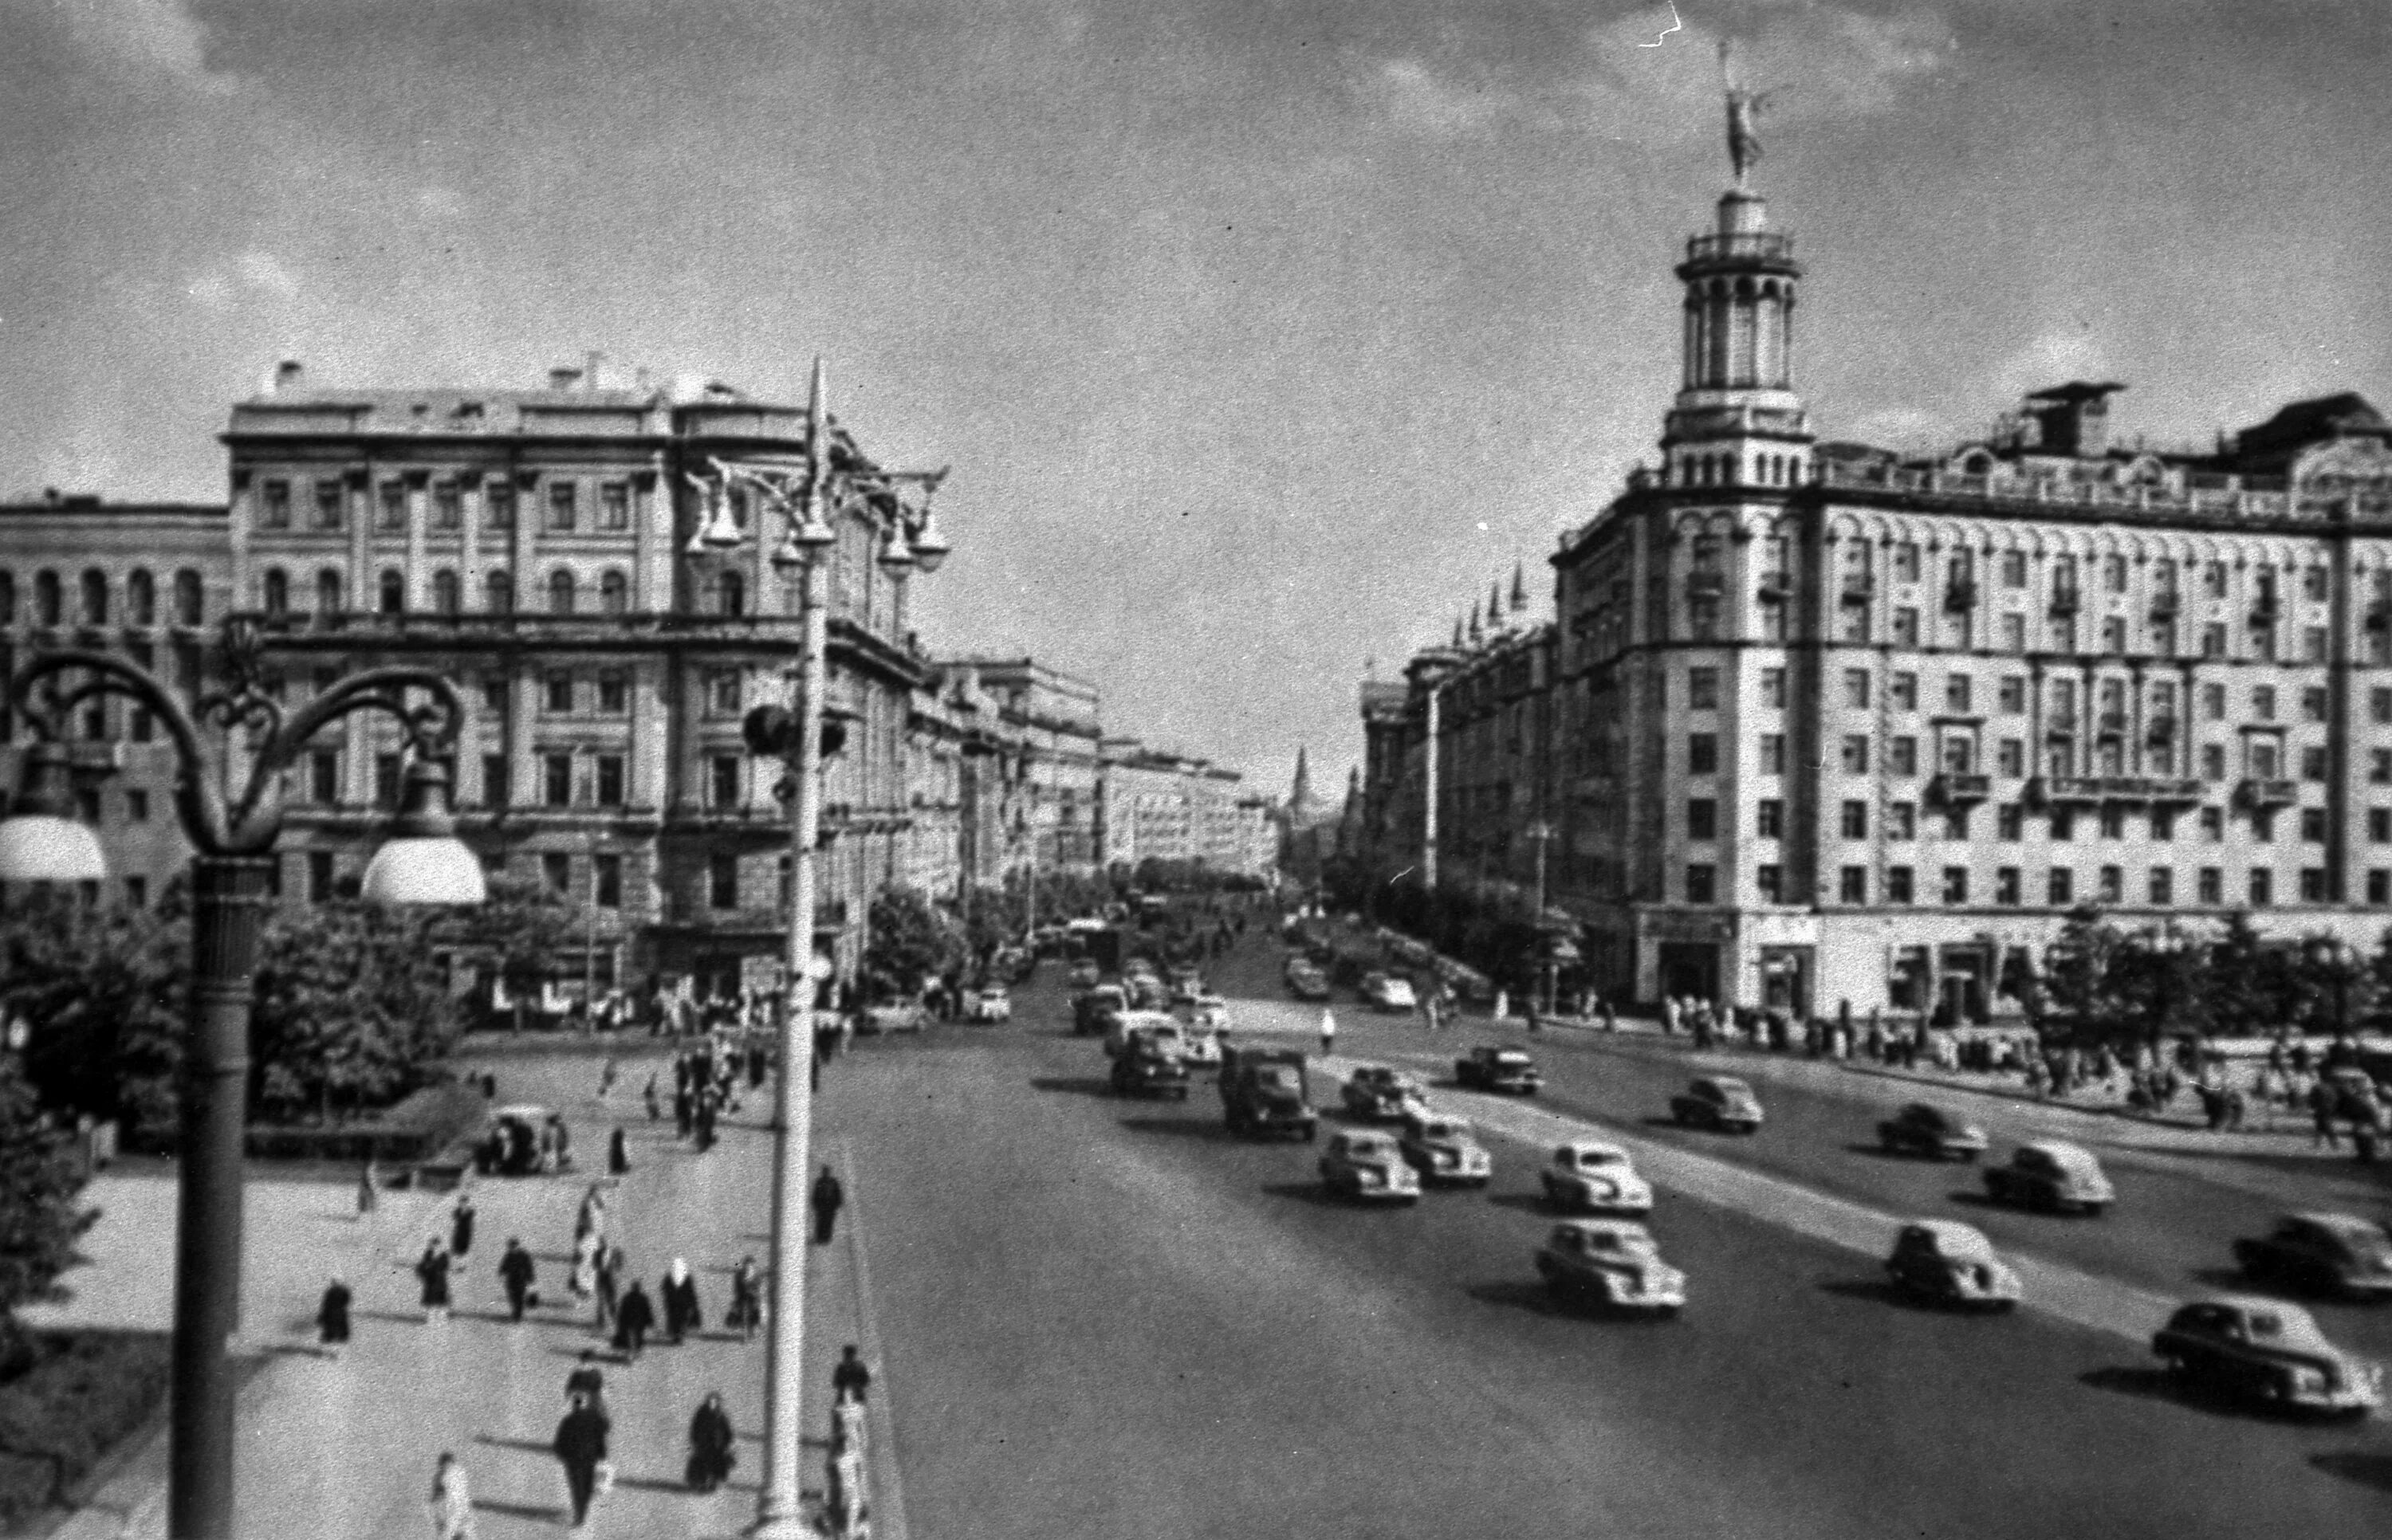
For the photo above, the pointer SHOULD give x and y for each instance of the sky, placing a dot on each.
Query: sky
(1263, 336)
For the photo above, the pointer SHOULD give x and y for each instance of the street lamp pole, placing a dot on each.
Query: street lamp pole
(1542, 833)
(232, 879)
(795, 734)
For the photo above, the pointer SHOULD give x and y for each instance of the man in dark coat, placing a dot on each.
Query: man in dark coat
(849, 1379)
(685, 1110)
(460, 1227)
(332, 1318)
(705, 1116)
(828, 1196)
(618, 1154)
(710, 1441)
(588, 1382)
(516, 1272)
(433, 1268)
(581, 1446)
(635, 1318)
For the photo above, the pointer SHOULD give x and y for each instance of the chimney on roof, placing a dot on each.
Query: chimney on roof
(2074, 419)
(288, 374)
(563, 376)
(590, 374)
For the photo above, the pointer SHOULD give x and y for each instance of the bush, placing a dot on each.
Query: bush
(416, 1129)
(79, 1396)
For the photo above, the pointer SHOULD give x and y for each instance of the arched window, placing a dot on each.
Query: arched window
(499, 593)
(560, 591)
(444, 592)
(390, 591)
(614, 592)
(190, 605)
(275, 592)
(49, 601)
(730, 594)
(7, 598)
(94, 597)
(330, 599)
(141, 598)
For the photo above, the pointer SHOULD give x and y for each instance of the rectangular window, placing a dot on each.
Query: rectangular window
(606, 881)
(2162, 887)
(2312, 884)
(556, 692)
(1773, 688)
(1702, 817)
(614, 694)
(2006, 886)
(136, 892)
(1897, 885)
(2313, 644)
(2114, 573)
(722, 692)
(2011, 696)
(1902, 756)
(2009, 757)
(614, 507)
(1702, 688)
(2212, 702)
(1905, 634)
(1851, 884)
(2163, 823)
(2213, 640)
(2059, 887)
(2014, 569)
(331, 502)
(2263, 702)
(2263, 887)
(1902, 692)
(1699, 882)
(2113, 823)
(1956, 884)
(723, 881)
(2313, 705)
(1771, 881)
(556, 779)
(1773, 753)
(2213, 824)
(498, 506)
(610, 780)
(274, 507)
(320, 877)
(2379, 885)
(2213, 761)
(1770, 819)
(2113, 635)
(1855, 753)
(390, 507)
(2313, 762)
(723, 781)
(1902, 821)
(136, 805)
(2379, 706)
(1856, 689)
(1854, 822)
(448, 508)
(494, 780)
(2263, 827)
(1905, 561)
(2009, 822)
(564, 507)
(556, 872)
(2379, 825)
(2209, 885)
(494, 692)
(2013, 633)
(2063, 824)
(2111, 885)
(2313, 825)
(1702, 753)
(1957, 688)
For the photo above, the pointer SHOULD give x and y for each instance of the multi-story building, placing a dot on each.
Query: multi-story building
(1824, 725)
(1047, 729)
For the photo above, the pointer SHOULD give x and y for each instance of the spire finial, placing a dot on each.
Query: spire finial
(1743, 115)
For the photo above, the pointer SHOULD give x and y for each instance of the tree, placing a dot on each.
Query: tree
(101, 992)
(517, 933)
(2084, 974)
(39, 1217)
(2252, 987)
(910, 942)
(352, 1005)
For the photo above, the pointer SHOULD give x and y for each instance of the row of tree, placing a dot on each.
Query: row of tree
(2101, 982)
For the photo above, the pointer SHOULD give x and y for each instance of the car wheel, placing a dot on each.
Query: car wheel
(2093, 1211)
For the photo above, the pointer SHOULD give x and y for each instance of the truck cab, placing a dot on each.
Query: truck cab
(1266, 1093)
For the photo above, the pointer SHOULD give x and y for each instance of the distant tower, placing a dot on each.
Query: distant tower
(1736, 422)
(1299, 796)
(1519, 588)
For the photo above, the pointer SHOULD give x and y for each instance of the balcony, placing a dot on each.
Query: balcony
(2050, 791)
(2161, 730)
(1775, 588)
(1705, 583)
(1859, 588)
(2112, 724)
(1743, 245)
(2163, 606)
(1955, 789)
(2266, 612)
(2064, 601)
(2255, 792)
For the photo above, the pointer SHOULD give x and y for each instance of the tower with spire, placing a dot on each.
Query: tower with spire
(1301, 813)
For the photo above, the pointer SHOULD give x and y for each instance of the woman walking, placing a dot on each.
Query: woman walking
(747, 1300)
(635, 1318)
(618, 1154)
(432, 1269)
(461, 1226)
(711, 1441)
(332, 1318)
(682, 1313)
(452, 1501)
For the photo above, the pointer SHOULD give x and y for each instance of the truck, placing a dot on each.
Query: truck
(1266, 1092)
(1102, 947)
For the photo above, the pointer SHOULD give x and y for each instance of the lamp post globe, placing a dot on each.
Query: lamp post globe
(42, 841)
(424, 861)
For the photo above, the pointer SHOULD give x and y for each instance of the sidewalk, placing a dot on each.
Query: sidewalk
(343, 1449)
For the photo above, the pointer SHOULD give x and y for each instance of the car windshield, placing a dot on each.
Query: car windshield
(1443, 1129)
(1591, 1159)
(1511, 1059)
(1276, 1077)
(2264, 1325)
(1733, 1087)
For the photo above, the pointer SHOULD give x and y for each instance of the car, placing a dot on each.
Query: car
(510, 1145)
(1084, 975)
(2051, 1174)
(1186, 982)
(1365, 1164)
(1307, 983)
(1131, 1027)
(2336, 1255)
(1442, 1148)
(1147, 993)
(1488, 1067)
(1387, 991)
(1375, 1092)
(1209, 1011)
(892, 1016)
(1922, 1128)
(1590, 1176)
(1095, 1010)
(1720, 1102)
(2267, 1353)
(1150, 1069)
(988, 1004)
(1612, 1263)
(1948, 1263)
(1201, 1046)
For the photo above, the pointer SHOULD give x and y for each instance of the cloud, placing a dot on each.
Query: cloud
(2053, 359)
(144, 39)
(253, 273)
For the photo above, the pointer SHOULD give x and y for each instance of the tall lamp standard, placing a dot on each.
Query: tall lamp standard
(800, 492)
(232, 873)
(1542, 833)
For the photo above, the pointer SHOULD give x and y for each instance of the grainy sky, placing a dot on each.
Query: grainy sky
(1263, 336)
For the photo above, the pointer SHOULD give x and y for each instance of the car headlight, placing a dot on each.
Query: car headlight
(2311, 1383)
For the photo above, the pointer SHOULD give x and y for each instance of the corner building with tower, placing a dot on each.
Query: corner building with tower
(1817, 724)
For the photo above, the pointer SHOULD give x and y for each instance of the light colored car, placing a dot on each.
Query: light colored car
(1387, 991)
(1187, 983)
(2268, 1352)
(1307, 982)
(1951, 1263)
(1720, 1102)
(1153, 1026)
(1444, 1150)
(992, 1003)
(1589, 1176)
(1209, 1010)
(1201, 1045)
(2336, 1255)
(1611, 1262)
(1366, 1164)
(2051, 1174)
(1375, 1092)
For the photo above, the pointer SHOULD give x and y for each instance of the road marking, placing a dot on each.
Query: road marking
(2079, 1298)
(888, 1513)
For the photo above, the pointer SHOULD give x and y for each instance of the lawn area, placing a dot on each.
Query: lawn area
(82, 1394)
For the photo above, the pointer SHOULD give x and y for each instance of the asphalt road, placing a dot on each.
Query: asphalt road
(1107, 1318)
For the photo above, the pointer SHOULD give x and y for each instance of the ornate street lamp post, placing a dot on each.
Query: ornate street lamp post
(232, 879)
(799, 492)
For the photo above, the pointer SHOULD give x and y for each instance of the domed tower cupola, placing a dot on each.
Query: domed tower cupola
(1736, 422)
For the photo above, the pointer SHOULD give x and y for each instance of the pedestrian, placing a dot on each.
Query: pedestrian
(606, 1078)
(461, 1226)
(563, 1141)
(829, 1195)
(1328, 1033)
(2322, 1111)
(609, 1281)
(685, 1112)
(635, 1318)
(681, 1313)
(711, 1444)
(587, 1381)
(655, 1108)
(584, 1279)
(545, 1145)
(580, 1446)
(515, 1270)
(746, 1298)
(759, 1064)
(592, 1218)
(846, 1427)
(849, 1379)
(365, 1185)
(451, 1504)
(706, 1115)
(332, 1318)
(433, 1268)
(619, 1153)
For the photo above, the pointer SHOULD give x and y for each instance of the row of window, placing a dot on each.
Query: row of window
(328, 507)
(2060, 890)
(2011, 696)
(2111, 571)
(1901, 821)
(94, 597)
(727, 592)
(2263, 758)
